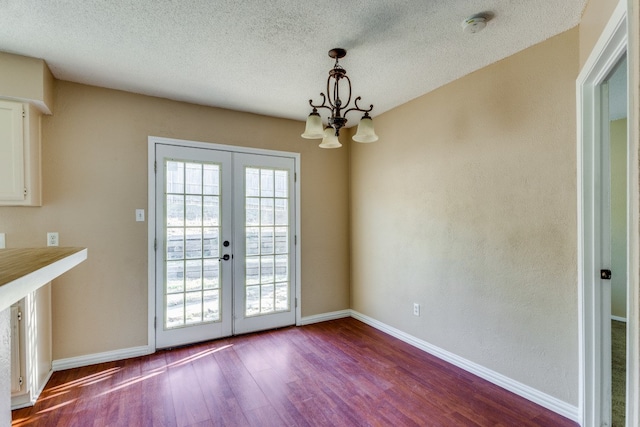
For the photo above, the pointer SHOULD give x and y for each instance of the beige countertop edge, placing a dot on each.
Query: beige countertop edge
(19, 288)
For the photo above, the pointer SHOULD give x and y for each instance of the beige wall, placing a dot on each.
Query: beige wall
(594, 18)
(468, 207)
(95, 176)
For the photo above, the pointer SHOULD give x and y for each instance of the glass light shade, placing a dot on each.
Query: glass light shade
(330, 139)
(365, 131)
(313, 128)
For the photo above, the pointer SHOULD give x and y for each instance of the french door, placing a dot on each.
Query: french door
(225, 243)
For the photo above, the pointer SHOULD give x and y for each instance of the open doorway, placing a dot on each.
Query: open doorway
(616, 89)
(603, 214)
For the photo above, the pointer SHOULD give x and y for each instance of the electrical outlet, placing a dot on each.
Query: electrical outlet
(52, 239)
(416, 309)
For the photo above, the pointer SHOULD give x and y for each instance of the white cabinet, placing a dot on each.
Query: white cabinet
(31, 358)
(20, 182)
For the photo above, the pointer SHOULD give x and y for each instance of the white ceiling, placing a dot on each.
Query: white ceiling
(270, 57)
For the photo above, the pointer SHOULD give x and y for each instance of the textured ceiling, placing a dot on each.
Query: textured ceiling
(270, 57)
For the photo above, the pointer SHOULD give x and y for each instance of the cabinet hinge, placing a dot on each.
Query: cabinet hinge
(155, 244)
(296, 302)
(19, 316)
(20, 381)
(25, 191)
(155, 322)
(24, 113)
(295, 177)
(155, 167)
(295, 239)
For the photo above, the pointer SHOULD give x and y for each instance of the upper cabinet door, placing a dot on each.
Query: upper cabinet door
(12, 187)
(19, 154)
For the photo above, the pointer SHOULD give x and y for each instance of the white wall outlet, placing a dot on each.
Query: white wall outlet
(52, 239)
(416, 309)
(2, 241)
(140, 215)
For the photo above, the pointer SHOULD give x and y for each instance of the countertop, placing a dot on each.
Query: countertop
(24, 270)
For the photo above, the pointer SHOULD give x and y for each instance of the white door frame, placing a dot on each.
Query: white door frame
(609, 49)
(151, 219)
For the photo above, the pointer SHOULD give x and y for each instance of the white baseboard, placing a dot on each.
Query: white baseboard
(553, 404)
(43, 384)
(20, 401)
(619, 319)
(126, 353)
(317, 318)
(27, 399)
(107, 356)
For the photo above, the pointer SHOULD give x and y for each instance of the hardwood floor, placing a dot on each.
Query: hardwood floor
(337, 373)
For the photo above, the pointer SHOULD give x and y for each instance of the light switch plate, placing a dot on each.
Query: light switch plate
(140, 215)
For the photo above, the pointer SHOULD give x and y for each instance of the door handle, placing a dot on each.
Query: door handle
(224, 257)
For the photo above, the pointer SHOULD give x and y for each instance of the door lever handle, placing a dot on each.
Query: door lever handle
(224, 257)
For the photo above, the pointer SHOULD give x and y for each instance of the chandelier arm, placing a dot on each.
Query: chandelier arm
(356, 107)
(331, 102)
(323, 105)
(346, 104)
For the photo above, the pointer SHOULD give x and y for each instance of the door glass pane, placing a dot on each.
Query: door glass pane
(194, 210)
(193, 178)
(175, 177)
(210, 181)
(210, 210)
(266, 183)
(267, 223)
(252, 182)
(175, 210)
(194, 243)
(192, 291)
(211, 305)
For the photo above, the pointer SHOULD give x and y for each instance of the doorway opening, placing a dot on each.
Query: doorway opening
(615, 121)
(604, 237)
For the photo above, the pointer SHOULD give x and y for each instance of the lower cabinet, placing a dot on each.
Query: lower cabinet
(30, 347)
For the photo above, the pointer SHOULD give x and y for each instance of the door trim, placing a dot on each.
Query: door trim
(609, 49)
(151, 219)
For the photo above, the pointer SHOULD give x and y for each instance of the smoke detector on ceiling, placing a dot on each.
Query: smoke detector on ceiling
(474, 23)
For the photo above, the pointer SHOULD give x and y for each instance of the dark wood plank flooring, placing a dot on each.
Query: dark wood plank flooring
(337, 373)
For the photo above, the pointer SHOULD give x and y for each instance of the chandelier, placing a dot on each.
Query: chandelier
(314, 128)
